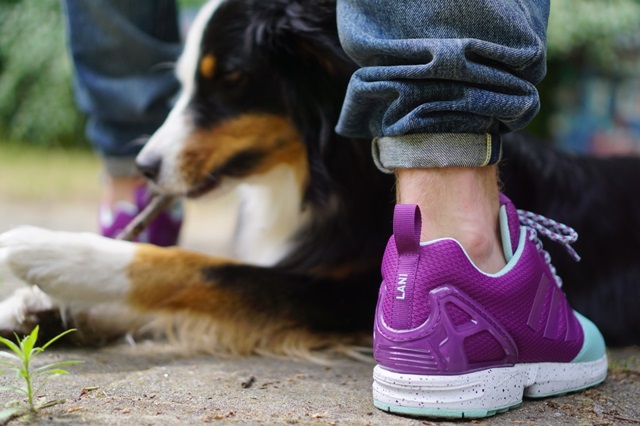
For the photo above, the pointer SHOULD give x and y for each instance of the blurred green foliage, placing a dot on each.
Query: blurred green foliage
(596, 31)
(191, 3)
(36, 99)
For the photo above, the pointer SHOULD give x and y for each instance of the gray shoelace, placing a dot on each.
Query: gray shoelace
(555, 231)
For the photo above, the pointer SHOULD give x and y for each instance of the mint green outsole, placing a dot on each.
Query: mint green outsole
(444, 414)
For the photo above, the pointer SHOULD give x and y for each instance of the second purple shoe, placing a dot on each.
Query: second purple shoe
(163, 231)
(452, 341)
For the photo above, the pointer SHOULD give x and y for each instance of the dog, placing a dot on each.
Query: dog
(262, 88)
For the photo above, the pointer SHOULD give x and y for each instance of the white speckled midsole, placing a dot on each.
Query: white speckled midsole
(491, 389)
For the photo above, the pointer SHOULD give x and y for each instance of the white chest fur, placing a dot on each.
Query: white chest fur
(270, 216)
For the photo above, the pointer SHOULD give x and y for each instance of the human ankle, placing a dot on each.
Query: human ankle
(484, 249)
(120, 188)
(460, 203)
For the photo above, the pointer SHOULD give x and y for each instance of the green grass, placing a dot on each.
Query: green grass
(30, 172)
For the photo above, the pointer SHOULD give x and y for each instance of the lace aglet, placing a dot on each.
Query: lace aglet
(574, 254)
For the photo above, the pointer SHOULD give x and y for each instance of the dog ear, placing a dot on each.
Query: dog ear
(300, 38)
(312, 28)
(304, 31)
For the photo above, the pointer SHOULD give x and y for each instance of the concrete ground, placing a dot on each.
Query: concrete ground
(153, 383)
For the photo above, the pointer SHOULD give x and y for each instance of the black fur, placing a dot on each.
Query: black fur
(317, 303)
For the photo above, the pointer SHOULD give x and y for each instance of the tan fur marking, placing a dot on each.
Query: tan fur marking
(204, 318)
(208, 66)
(200, 333)
(207, 150)
(170, 279)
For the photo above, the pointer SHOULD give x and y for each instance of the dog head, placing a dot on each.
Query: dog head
(262, 84)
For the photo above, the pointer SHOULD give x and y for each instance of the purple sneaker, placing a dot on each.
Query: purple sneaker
(163, 231)
(452, 341)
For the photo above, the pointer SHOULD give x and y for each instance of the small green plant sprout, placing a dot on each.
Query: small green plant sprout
(19, 360)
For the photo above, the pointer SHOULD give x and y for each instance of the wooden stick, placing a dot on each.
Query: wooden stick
(145, 217)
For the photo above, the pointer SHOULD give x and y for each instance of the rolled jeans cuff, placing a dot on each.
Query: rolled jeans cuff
(120, 166)
(434, 150)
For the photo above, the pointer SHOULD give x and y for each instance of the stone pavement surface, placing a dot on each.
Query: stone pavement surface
(153, 383)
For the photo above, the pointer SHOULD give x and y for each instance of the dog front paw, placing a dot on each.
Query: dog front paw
(19, 312)
(70, 267)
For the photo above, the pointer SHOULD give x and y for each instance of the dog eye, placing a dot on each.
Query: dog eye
(232, 77)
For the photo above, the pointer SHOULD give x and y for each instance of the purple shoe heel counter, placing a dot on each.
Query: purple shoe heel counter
(458, 336)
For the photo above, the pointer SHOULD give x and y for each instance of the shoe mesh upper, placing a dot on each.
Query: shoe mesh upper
(518, 302)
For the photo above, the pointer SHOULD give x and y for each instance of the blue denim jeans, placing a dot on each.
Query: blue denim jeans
(123, 51)
(441, 80)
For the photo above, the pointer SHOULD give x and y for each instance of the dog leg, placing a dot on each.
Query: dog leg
(73, 268)
(19, 311)
(247, 308)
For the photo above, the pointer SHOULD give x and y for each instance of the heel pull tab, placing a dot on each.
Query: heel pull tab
(407, 225)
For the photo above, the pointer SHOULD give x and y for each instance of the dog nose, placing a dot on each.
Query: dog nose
(149, 168)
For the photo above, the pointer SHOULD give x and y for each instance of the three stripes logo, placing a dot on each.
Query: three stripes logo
(551, 311)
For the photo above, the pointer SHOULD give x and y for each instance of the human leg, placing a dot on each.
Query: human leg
(122, 53)
(470, 309)
(442, 94)
(461, 203)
